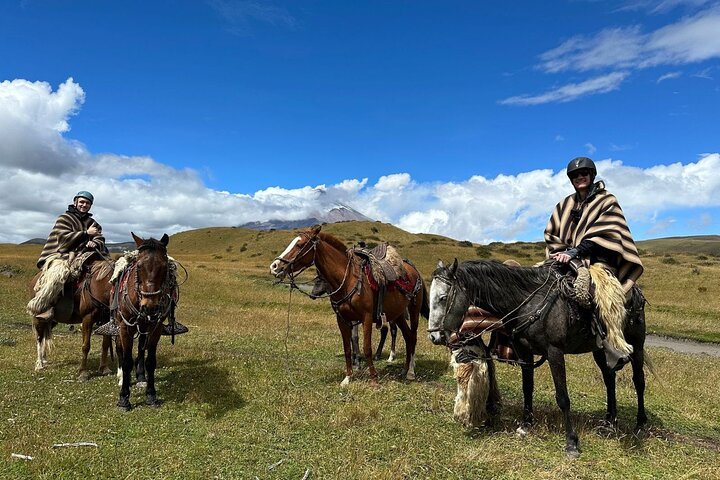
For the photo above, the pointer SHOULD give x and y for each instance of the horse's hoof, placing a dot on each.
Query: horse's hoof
(410, 376)
(142, 384)
(84, 376)
(391, 358)
(106, 371)
(345, 382)
(572, 453)
(522, 431)
(124, 406)
(152, 402)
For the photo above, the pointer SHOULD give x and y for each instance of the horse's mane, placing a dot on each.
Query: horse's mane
(497, 287)
(333, 241)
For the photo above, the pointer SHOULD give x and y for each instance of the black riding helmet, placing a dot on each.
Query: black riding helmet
(581, 163)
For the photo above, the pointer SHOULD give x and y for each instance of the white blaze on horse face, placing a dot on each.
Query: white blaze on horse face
(276, 266)
(438, 289)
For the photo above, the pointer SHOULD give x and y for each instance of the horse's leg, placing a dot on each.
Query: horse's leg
(355, 342)
(151, 363)
(140, 360)
(528, 386)
(637, 358)
(345, 333)
(556, 359)
(409, 346)
(381, 344)
(608, 375)
(367, 347)
(106, 352)
(393, 340)
(43, 337)
(86, 329)
(124, 349)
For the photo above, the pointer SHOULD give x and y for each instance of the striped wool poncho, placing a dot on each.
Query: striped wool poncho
(602, 222)
(70, 234)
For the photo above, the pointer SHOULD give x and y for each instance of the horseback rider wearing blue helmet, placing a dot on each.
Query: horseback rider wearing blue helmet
(74, 233)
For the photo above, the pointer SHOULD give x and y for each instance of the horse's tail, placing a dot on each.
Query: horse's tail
(425, 307)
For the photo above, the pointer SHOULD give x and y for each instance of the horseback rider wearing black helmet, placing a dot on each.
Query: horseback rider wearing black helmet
(588, 227)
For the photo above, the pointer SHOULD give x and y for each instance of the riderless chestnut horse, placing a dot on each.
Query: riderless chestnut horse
(350, 295)
(147, 292)
(87, 303)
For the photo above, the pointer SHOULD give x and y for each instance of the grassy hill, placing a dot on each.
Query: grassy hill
(253, 389)
(700, 245)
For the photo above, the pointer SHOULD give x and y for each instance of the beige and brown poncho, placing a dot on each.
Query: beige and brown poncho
(601, 222)
(69, 234)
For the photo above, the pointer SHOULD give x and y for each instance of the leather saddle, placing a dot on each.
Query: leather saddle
(478, 321)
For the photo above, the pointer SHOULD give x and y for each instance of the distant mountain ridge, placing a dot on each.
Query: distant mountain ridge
(341, 213)
(112, 247)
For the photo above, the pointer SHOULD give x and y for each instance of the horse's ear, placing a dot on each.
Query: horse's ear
(440, 264)
(138, 241)
(315, 229)
(165, 239)
(453, 267)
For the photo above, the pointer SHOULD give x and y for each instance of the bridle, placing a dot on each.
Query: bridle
(311, 244)
(455, 289)
(166, 302)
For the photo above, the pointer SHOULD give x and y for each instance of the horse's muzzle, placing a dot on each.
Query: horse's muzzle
(438, 337)
(279, 269)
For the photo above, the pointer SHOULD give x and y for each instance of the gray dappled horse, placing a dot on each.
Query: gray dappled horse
(542, 321)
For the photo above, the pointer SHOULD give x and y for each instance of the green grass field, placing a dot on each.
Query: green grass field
(253, 389)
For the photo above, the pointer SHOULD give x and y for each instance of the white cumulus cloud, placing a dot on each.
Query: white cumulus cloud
(42, 170)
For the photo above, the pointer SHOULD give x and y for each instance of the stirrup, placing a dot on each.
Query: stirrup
(179, 329)
(108, 328)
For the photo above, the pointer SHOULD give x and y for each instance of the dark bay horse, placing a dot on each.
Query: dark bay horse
(542, 321)
(88, 305)
(351, 295)
(147, 291)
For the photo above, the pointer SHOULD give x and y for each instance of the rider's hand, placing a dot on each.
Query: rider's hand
(93, 231)
(91, 244)
(561, 257)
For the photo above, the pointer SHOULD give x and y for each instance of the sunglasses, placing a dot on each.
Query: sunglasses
(578, 173)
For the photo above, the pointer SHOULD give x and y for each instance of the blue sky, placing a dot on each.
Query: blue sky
(450, 117)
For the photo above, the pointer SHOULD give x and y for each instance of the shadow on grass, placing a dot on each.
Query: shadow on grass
(426, 370)
(548, 417)
(199, 381)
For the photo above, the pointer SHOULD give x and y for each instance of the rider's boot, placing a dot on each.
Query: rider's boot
(615, 359)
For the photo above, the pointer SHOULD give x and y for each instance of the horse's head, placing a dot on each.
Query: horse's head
(298, 255)
(448, 303)
(152, 272)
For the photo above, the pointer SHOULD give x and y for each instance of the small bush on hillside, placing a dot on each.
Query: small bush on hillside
(702, 289)
(217, 257)
(695, 270)
(483, 252)
(244, 247)
(465, 243)
(374, 229)
(668, 260)
(701, 257)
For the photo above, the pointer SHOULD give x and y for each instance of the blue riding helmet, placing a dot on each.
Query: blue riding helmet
(84, 194)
